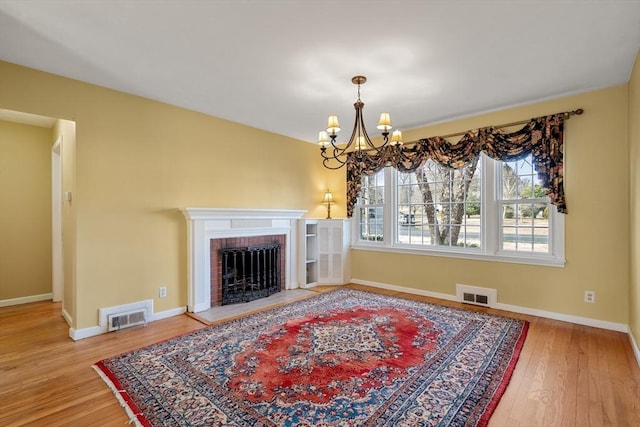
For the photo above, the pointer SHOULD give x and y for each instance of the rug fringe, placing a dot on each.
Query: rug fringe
(134, 418)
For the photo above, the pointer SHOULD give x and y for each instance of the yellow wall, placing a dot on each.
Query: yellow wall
(634, 167)
(597, 223)
(25, 210)
(137, 162)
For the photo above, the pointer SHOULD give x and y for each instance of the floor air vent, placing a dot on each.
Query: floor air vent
(125, 320)
(476, 295)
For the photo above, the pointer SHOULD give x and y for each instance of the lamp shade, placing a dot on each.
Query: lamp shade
(396, 137)
(327, 198)
(333, 126)
(323, 138)
(384, 124)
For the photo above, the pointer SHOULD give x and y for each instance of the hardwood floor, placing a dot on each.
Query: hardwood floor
(567, 375)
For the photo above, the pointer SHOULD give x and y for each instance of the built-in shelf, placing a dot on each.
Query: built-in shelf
(309, 252)
(324, 246)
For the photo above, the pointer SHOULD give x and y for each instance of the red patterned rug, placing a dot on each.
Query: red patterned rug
(343, 358)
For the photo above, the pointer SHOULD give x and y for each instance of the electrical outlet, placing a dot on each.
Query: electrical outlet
(590, 296)
(162, 292)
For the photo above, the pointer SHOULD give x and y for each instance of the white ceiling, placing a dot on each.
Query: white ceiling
(285, 65)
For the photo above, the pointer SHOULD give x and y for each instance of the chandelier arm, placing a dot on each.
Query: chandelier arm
(363, 129)
(367, 139)
(326, 160)
(337, 151)
(369, 143)
(358, 128)
(326, 164)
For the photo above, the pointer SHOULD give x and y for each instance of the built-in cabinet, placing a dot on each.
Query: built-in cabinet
(308, 252)
(324, 247)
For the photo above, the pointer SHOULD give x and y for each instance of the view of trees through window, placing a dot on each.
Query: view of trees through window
(439, 205)
(371, 202)
(442, 207)
(524, 208)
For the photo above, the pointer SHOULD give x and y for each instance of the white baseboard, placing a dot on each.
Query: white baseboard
(405, 289)
(586, 321)
(620, 327)
(25, 300)
(634, 346)
(67, 317)
(168, 313)
(78, 334)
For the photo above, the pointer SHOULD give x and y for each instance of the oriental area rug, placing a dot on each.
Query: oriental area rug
(342, 358)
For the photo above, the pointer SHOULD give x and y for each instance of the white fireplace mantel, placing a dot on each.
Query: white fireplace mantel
(204, 224)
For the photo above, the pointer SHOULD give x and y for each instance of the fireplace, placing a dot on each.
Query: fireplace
(251, 227)
(250, 273)
(235, 264)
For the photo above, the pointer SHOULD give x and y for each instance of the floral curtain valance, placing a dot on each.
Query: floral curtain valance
(541, 136)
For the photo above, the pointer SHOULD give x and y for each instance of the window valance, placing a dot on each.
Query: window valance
(541, 136)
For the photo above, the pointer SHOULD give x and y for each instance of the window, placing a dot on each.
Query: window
(371, 207)
(524, 208)
(439, 206)
(487, 210)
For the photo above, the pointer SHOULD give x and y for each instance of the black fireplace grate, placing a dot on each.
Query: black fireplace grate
(249, 273)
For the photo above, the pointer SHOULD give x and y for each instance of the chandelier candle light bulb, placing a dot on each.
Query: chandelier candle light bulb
(359, 143)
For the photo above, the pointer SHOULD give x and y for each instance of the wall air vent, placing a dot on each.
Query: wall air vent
(476, 295)
(119, 321)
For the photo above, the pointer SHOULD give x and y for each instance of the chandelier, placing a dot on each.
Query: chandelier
(334, 154)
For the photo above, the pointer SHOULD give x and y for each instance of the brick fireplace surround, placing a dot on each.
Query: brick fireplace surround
(207, 224)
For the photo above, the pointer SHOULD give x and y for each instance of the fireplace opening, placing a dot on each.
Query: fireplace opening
(249, 273)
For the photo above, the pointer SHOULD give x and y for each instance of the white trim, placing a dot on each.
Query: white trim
(168, 313)
(57, 260)
(405, 289)
(228, 213)
(579, 320)
(603, 324)
(634, 346)
(78, 334)
(25, 300)
(67, 317)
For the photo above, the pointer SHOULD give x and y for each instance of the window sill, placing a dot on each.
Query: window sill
(546, 261)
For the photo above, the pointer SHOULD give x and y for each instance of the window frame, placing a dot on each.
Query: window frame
(490, 227)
